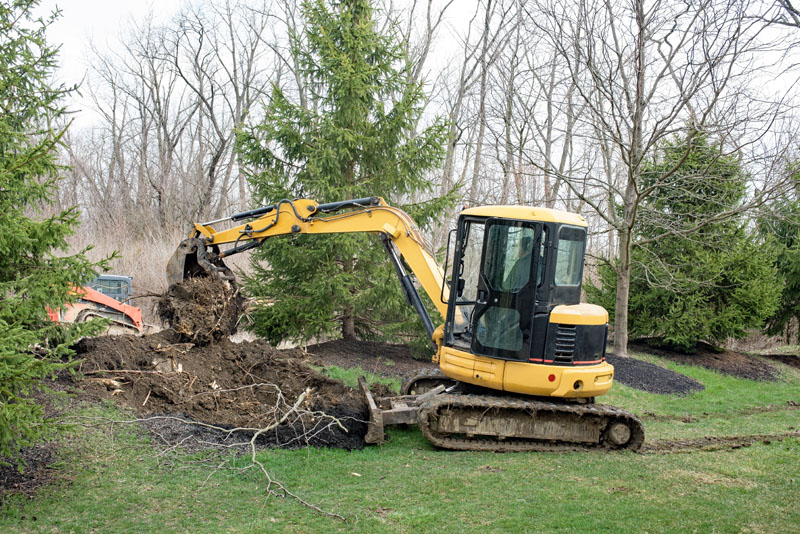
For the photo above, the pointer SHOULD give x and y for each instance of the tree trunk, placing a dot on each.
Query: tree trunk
(348, 324)
(623, 292)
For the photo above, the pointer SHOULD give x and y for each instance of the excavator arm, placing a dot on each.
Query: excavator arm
(201, 254)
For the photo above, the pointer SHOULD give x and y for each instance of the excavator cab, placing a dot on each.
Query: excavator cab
(497, 266)
(515, 276)
(510, 274)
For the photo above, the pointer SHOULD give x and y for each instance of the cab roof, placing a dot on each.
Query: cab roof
(527, 213)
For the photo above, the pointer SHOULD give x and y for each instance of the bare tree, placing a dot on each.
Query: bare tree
(645, 73)
(496, 33)
(785, 14)
(170, 101)
(216, 52)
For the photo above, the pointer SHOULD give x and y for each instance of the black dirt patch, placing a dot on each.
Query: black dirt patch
(36, 462)
(231, 385)
(202, 310)
(379, 358)
(726, 362)
(788, 359)
(713, 443)
(652, 378)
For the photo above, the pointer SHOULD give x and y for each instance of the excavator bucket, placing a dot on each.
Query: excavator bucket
(193, 258)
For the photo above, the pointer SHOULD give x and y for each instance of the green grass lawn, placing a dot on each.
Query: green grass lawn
(112, 481)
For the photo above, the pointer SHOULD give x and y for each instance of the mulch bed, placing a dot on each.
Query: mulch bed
(726, 362)
(379, 358)
(788, 359)
(651, 378)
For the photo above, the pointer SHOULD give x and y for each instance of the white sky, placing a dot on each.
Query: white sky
(101, 22)
(104, 23)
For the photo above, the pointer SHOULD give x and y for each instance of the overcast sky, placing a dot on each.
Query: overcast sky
(98, 21)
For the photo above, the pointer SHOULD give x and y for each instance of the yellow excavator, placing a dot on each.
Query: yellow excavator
(521, 360)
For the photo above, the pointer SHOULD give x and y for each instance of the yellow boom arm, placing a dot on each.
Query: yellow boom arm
(305, 216)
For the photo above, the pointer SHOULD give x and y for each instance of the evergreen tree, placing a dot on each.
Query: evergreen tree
(782, 229)
(701, 277)
(35, 274)
(357, 136)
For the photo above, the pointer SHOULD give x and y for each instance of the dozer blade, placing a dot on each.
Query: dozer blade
(384, 411)
(193, 259)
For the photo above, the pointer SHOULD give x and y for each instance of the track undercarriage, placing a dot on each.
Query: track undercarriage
(462, 420)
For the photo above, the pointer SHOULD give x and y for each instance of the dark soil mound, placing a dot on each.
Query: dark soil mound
(248, 385)
(726, 362)
(651, 378)
(202, 310)
(379, 358)
(788, 359)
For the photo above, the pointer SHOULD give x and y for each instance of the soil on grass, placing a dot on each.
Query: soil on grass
(177, 384)
(36, 462)
(723, 361)
(231, 385)
(382, 359)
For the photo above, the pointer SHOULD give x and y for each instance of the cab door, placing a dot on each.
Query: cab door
(502, 320)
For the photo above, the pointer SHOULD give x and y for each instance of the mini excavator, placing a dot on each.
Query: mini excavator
(521, 360)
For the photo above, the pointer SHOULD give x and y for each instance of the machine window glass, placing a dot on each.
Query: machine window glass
(469, 270)
(540, 269)
(508, 258)
(466, 278)
(499, 328)
(109, 286)
(569, 256)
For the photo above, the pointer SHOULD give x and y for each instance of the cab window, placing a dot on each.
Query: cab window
(569, 256)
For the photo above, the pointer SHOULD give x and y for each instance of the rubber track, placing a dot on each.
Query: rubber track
(429, 409)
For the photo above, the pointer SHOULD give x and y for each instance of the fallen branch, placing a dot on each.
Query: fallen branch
(273, 486)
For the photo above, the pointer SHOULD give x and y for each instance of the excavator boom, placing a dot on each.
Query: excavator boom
(200, 254)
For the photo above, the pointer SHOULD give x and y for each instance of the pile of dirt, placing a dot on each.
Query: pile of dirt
(232, 385)
(722, 361)
(652, 378)
(202, 310)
